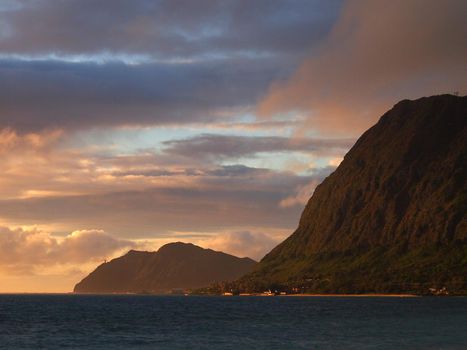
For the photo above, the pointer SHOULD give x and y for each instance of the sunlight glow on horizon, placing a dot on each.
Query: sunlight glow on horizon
(144, 122)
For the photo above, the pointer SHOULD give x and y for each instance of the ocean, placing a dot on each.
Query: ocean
(179, 322)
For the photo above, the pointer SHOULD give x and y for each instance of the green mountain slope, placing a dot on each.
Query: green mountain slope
(392, 217)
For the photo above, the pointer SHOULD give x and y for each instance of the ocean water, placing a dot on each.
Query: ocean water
(178, 322)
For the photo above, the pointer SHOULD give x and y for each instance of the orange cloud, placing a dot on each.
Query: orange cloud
(243, 243)
(301, 196)
(28, 251)
(377, 53)
(11, 141)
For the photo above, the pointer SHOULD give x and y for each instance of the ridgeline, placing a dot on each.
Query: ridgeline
(392, 216)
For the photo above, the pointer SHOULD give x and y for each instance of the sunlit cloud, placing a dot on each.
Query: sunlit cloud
(34, 260)
(242, 243)
(211, 125)
(303, 193)
(413, 49)
(25, 251)
(142, 194)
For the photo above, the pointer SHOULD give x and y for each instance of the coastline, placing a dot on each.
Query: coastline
(304, 295)
(378, 295)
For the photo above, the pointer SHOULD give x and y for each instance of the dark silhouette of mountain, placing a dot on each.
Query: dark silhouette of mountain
(392, 216)
(175, 265)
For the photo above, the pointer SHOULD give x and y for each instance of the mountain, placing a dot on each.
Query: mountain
(174, 265)
(391, 217)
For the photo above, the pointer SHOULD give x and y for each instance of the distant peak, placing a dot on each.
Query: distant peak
(137, 252)
(174, 265)
(442, 97)
(178, 245)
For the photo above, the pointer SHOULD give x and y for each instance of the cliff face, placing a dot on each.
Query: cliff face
(393, 214)
(175, 265)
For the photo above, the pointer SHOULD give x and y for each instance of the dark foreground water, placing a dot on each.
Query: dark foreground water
(158, 322)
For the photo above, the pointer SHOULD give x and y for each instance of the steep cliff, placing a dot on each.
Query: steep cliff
(392, 217)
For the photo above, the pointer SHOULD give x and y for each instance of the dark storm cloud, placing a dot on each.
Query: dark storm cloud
(179, 60)
(37, 95)
(164, 29)
(226, 146)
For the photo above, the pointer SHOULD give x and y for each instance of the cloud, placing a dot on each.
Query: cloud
(213, 146)
(243, 244)
(135, 195)
(147, 63)
(24, 251)
(238, 170)
(32, 260)
(165, 29)
(55, 94)
(11, 141)
(85, 245)
(144, 194)
(208, 204)
(303, 193)
(377, 53)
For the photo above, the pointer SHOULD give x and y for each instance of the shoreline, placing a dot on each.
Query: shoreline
(378, 295)
(304, 295)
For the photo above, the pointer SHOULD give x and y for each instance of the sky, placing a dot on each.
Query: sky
(131, 124)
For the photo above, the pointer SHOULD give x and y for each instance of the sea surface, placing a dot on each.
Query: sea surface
(179, 322)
